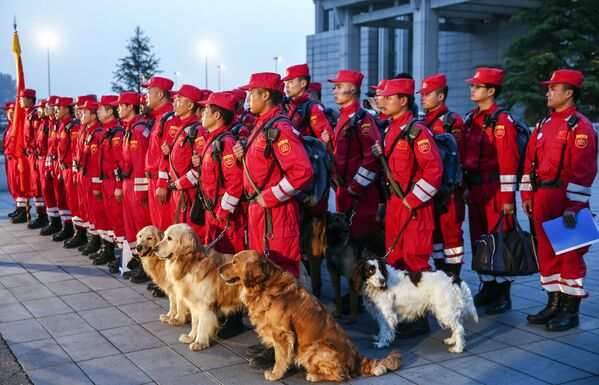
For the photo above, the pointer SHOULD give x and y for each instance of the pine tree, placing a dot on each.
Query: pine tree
(8, 88)
(137, 67)
(560, 34)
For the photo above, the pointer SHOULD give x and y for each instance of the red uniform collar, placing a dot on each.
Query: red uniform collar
(66, 119)
(563, 114)
(166, 107)
(351, 109)
(402, 120)
(94, 127)
(300, 99)
(129, 124)
(269, 114)
(218, 131)
(488, 111)
(110, 124)
(189, 120)
(430, 115)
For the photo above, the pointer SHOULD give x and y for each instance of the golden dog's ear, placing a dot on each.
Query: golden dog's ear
(254, 274)
(159, 234)
(189, 243)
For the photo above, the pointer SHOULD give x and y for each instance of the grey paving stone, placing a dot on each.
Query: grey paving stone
(582, 340)
(431, 349)
(509, 335)
(242, 375)
(106, 318)
(594, 380)
(435, 374)
(477, 343)
(85, 301)
(537, 366)
(52, 276)
(25, 293)
(6, 297)
(195, 379)
(217, 356)
(65, 324)
(40, 354)
(566, 354)
(169, 334)
(18, 280)
(15, 247)
(86, 346)
(101, 282)
(11, 268)
(25, 256)
(489, 372)
(13, 312)
(162, 364)
(389, 378)
(36, 263)
(71, 286)
(240, 342)
(23, 331)
(121, 296)
(132, 338)
(518, 319)
(68, 374)
(142, 312)
(47, 306)
(116, 369)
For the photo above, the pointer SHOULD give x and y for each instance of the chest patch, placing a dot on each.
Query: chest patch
(402, 144)
(562, 134)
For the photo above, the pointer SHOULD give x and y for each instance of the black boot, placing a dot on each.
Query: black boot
(92, 246)
(54, 227)
(66, 233)
(453, 269)
(21, 216)
(140, 277)
(41, 220)
(414, 328)
(232, 325)
(567, 317)
(486, 294)
(158, 293)
(107, 255)
(503, 302)
(253, 350)
(439, 264)
(133, 265)
(152, 286)
(114, 266)
(16, 210)
(79, 239)
(263, 360)
(548, 312)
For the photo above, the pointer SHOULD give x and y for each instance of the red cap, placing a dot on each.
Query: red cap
(297, 71)
(380, 86)
(348, 76)
(433, 83)
(8, 106)
(108, 100)
(63, 102)
(483, 75)
(143, 99)
(571, 77)
(91, 105)
(225, 100)
(398, 86)
(128, 98)
(193, 93)
(27, 93)
(51, 100)
(205, 95)
(80, 100)
(314, 86)
(268, 80)
(42, 103)
(239, 94)
(162, 83)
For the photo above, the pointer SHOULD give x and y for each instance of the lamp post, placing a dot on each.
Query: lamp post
(48, 39)
(220, 67)
(206, 49)
(177, 73)
(277, 59)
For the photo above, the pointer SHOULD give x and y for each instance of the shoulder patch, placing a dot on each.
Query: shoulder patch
(284, 146)
(116, 141)
(228, 160)
(499, 131)
(424, 146)
(457, 134)
(581, 140)
(365, 128)
(313, 120)
(94, 148)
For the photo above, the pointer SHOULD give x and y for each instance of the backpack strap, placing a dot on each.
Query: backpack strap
(163, 121)
(304, 109)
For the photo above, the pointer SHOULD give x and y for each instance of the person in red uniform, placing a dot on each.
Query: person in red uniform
(561, 164)
(90, 179)
(68, 133)
(134, 194)
(48, 184)
(243, 122)
(41, 151)
(490, 165)
(185, 137)
(415, 165)
(448, 247)
(159, 100)
(355, 168)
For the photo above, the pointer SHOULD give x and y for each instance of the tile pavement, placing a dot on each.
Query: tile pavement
(69, 322)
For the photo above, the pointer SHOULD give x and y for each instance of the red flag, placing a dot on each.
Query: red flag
(19, 120)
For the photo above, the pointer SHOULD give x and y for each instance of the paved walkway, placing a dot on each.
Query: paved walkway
(69, 322)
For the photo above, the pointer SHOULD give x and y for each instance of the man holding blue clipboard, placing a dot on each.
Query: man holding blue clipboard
(560, 166)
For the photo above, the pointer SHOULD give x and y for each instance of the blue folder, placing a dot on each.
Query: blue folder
(564, 239)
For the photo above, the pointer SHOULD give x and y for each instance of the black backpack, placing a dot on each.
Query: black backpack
(304, 110)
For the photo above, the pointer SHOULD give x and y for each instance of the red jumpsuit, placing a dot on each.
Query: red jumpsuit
(448, 238)
(135, 183)
(278, 190)
(418, 166)
(161, 215)
(356, 166)
(248, 120)
(561, 273)
(83, 216)
(32, 124)
(179, 166)
(495, 171)
(47, 187)
(12, 164)
(224, 193)
(111, 149)
(68, 133)
(90, 164)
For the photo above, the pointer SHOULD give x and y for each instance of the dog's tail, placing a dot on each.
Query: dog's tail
(469, 308)
(372, 367)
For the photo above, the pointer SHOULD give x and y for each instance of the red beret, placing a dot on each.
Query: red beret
(63, 102)
(27, 93)
(190, 92)
(91, 105)
(571, 77)
(162, 83)
(348, 76)
(380, 86)
(268, 80)
(108, 100)
(80, 100)
(225, 100)
(297, 71)
(398, 86)
(128, 98)
(433, 83)
(483, 75)
(315, 86)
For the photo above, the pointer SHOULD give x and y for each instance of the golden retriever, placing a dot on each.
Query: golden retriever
(299, 328)
(196, 281)
(147, 238)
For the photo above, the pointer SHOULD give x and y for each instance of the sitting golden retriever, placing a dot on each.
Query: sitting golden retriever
(195, 280)
(299, 328)
(155, 268)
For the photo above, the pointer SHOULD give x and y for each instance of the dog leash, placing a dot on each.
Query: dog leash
(220, 236)
(396, 239)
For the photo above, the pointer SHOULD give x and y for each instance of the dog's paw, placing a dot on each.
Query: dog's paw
(185, 339)
(449, 341)
(196, 346)
(176, 321)
(379, 370)
(165, 318)
(312, 378)
(270, 376)
(456, 349)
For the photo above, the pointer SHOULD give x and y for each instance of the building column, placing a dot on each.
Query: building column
(349, 50)
(425, 28)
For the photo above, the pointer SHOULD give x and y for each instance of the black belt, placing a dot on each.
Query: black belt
(547, 184)
(148, 175)
(480, 179)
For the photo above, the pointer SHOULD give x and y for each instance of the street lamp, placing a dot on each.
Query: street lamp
(220, 67)
(277, 59)
(48, 40)
(206, 49)
(177, 73)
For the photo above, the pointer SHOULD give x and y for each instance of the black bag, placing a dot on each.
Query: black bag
(511, 253)
(197, 213)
